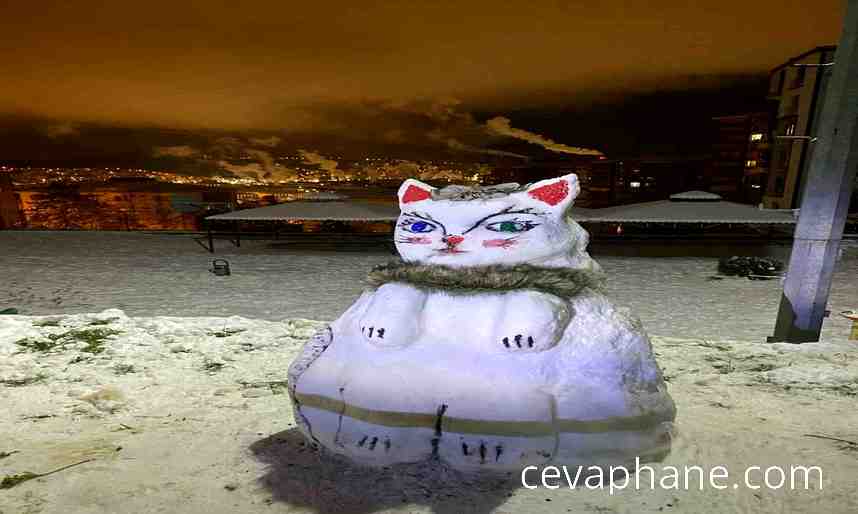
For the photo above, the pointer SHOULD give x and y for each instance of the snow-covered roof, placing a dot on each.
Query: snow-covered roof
(582, 213)
(695, 195)
(323, 195)
(663, 211)
(309, 210)
(667, 211)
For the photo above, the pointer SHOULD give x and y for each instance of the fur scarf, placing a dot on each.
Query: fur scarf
(561, 282)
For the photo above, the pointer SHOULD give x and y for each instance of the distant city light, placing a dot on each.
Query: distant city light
(634, 184)
(756, 137)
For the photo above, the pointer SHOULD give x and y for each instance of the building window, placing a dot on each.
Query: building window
(779, 185)
(790, 107)
(751, 163)
(781, 156)
(800, 73)
(756, 137)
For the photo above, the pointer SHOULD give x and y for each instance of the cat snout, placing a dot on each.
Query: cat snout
(453, 240)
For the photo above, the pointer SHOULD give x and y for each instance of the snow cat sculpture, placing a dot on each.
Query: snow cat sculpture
(489, 345)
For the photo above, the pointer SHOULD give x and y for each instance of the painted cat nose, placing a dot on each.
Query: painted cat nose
(453, 240)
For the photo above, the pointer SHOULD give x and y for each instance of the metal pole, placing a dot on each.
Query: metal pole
(820, 86)
(825, 201)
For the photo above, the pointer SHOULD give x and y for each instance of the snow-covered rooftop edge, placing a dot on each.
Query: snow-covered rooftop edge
(314, 210)
(689, 207)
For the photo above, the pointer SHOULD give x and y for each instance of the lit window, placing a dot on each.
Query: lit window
(751, 164)
(634, 185)
(756, 137)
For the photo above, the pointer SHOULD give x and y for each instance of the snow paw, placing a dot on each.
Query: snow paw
(380, 445)
(498, 453)
(530, 322)
(482, 452)
(391, 317)
(374, 443)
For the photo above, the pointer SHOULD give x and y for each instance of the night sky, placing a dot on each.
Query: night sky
(111, 81)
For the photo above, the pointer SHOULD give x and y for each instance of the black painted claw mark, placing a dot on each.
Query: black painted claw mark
(464, 449)
(362, 441)
(482, 452)
(379, 332)
(498, 452)
(439, 420)
(519, 341)
(387, 445)
(372, 443)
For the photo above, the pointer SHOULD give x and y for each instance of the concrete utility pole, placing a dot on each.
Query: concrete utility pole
(825, 201)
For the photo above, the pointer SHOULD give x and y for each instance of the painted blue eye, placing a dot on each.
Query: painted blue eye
(418, 227)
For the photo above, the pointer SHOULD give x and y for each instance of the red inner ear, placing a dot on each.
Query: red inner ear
(552, 194)
(415, 194)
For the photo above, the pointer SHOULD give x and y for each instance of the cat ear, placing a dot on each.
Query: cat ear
(414, 191)
(556, 192)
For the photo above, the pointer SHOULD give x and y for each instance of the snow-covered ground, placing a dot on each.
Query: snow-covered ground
(156, 275)
(189, 413)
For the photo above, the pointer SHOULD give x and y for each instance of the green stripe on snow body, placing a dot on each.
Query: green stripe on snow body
(477, 426)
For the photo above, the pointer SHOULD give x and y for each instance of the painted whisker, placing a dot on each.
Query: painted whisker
(500, 243)
(418, 240)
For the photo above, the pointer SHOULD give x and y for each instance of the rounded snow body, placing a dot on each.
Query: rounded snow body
(483, 381)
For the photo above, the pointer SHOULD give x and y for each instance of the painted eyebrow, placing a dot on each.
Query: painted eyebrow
(504, 211)
(426, 217)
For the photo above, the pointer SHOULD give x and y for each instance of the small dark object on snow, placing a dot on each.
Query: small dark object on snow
(3, 455)
(220, 267)
(10, 310)
(755, 268)
(10, 481)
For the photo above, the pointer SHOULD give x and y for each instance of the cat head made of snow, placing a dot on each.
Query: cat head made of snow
(464, 226)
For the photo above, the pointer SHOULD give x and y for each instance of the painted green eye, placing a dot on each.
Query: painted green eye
(510, 226)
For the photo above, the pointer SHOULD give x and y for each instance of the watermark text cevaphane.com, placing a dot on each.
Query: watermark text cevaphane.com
(642, 476)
